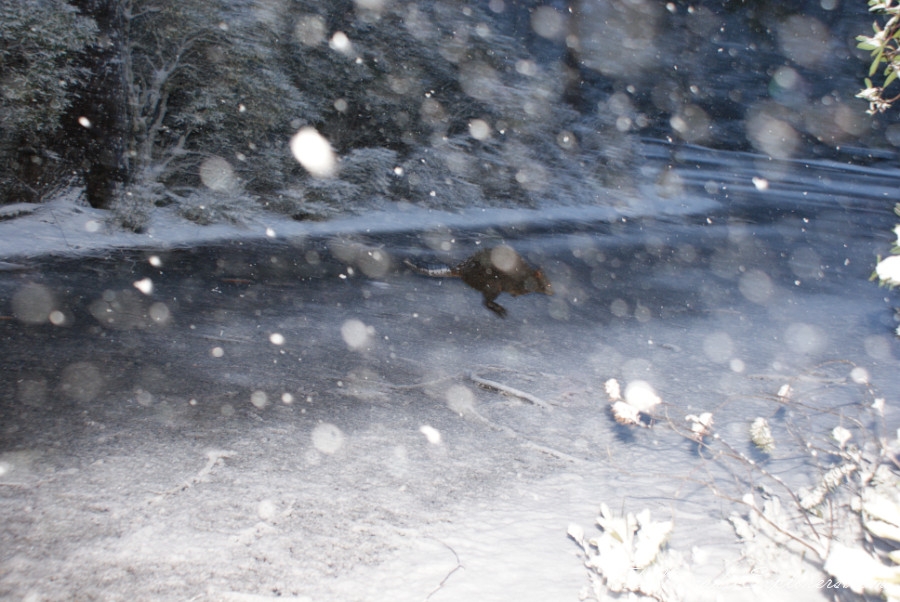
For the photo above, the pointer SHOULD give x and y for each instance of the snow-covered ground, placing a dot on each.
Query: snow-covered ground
(294, 425)
(67, 226)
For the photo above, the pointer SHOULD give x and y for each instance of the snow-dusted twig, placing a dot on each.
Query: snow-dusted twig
(739, 455)
(526, 442)
(423, 385)
(446, 578)
(552, 452)
(490, 384)
(213, 457)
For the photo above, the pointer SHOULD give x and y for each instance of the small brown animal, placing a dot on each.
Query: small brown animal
(494, 271)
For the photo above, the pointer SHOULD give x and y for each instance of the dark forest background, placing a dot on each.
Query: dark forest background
(140, 103)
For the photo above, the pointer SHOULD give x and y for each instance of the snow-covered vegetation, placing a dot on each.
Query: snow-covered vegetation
(840, 532)
(432, 104)
(39, 71)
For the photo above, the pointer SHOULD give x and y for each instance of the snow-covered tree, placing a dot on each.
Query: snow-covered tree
(439, 103)
(473, 116)
(202, 82)
(39, 45)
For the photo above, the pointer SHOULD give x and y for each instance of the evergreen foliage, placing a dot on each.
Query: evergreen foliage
(202, 81)
(884, 45)
(432, 104)
(39, 41)
(412, 78)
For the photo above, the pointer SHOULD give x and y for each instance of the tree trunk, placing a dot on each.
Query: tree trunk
(97, 127)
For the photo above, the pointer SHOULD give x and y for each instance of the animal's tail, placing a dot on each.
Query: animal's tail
(436, 271)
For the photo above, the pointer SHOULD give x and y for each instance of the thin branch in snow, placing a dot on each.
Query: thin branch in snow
(213, 457)
(490, 384)
(448, 575)
(525, 441)
(430, 383)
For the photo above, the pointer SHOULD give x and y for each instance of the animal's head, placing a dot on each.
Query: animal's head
(541, 284)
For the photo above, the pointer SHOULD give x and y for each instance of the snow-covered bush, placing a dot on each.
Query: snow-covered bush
(840, 527)
(887, 271)
(628, 555)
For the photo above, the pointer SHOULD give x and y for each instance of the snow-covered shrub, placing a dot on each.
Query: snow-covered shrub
(839, 523)
(827, 526)
(211, 207)
(131, 209)
(373, 169)
(628, 555)
(888, 269)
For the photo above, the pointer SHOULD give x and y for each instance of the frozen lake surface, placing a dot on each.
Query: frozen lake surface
(299, 416)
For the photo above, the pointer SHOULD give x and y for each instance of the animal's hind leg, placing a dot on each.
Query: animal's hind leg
(494, 306)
